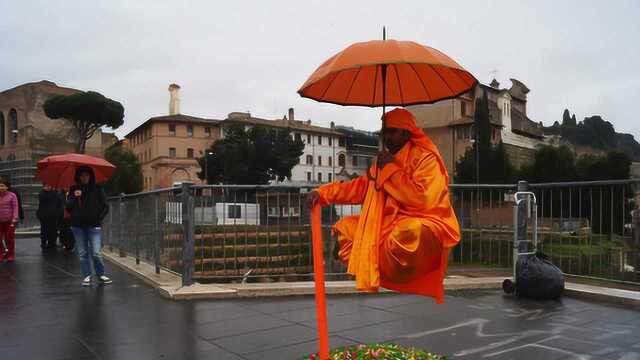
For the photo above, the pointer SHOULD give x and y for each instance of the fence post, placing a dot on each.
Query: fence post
(523, 214)
(188, 251)
(156, 234)
(122, 221)
(635, 220)
(137, 232)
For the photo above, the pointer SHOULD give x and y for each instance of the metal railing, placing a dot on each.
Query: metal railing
(222, 233)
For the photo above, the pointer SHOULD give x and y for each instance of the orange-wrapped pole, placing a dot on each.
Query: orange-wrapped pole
(318, 270)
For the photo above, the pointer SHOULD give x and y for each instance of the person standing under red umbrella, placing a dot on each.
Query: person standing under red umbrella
(87, 204)
(8, 220)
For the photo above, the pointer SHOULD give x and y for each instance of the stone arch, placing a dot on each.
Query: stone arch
(179, 175)
(2, 127)
(13, 126)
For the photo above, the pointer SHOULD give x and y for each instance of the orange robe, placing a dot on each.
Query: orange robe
(406, 215)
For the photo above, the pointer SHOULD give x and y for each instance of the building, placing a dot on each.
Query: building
(168, 146)
(450, 123)
(323, 146)
(27, 135)
(362, 148)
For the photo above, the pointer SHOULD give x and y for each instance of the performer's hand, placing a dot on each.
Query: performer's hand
(384, 158)
(312, 199)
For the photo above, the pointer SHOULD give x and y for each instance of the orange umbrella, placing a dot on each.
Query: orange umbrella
(387, 72)
(59, 170)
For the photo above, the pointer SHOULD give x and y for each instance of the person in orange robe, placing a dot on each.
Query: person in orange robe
(402, 237)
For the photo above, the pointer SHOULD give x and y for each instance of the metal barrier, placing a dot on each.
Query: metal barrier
(220, 233)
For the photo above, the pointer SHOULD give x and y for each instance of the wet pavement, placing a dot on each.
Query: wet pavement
(46, 314)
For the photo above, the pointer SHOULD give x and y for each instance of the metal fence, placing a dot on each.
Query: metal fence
(220, 233)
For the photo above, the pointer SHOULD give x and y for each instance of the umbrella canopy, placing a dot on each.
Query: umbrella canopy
(59, 170)
(387, 72)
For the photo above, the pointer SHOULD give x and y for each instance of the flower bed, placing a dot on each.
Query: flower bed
(377, 351)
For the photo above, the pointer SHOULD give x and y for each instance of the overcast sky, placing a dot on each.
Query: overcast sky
(239, 56)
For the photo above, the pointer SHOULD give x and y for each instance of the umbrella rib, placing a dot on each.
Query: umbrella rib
(421, 81)
(329, 86)
(399, 84)
(352, 83)
(375, 83)
(460, 77)
(443, 80)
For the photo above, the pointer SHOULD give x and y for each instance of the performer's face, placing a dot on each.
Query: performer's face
(394, 139)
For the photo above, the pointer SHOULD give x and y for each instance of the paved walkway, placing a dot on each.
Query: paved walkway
(46, 314)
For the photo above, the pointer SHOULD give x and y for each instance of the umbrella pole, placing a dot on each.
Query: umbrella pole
(318, 269)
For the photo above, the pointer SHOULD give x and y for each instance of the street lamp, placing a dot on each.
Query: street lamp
(206, 162)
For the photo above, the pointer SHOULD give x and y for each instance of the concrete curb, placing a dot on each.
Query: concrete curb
(169, 286)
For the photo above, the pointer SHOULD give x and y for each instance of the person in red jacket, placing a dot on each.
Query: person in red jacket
(9, 215)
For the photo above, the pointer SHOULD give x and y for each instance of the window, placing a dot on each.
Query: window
(172, 152)
(207, 131)
(274, 211)
(319, 177)
(355, 160)
(308, 139)
(342, 159)
(329, 175)
(308, 176)
(309, 160)
(172, 130)
(319, 140)
(330, 161)
(463, 108)
(341, 142)
(297, 137)
(189, 130)
(330, 141)
(234, 211)
(1, 129)
(190, 153)
(319, 160)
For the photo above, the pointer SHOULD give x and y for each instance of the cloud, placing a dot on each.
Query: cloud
(238, 56)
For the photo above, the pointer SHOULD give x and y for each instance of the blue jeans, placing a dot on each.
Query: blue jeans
(88, 239)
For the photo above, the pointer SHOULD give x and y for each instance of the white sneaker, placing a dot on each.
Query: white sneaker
(105, 280)
(87, 281)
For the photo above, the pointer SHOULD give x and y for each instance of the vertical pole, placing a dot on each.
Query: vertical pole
(635, 219)
(137, 232)
(188, 230)
(122, 223)
(522, 219)
(318, 268)
(156, 234)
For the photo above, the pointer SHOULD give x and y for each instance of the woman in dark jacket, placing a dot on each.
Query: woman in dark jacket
(87, 204)
(50, 208)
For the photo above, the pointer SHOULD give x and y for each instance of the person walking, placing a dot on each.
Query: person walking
(17, 194)
(8, 219)
(50, 209)
(87, 205)
(66, 236)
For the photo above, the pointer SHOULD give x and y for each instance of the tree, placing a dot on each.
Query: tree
(128, 176)
(483, 162)
(254, 156)
(550, 165)
(87, 112)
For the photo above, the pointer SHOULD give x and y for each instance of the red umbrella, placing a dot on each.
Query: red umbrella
(59, 170)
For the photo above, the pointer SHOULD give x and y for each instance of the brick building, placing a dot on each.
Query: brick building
(450, 123)
(168, 146)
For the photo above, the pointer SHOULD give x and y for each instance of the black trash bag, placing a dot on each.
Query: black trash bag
(537, 278)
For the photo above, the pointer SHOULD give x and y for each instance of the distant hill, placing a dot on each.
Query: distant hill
(594, 132)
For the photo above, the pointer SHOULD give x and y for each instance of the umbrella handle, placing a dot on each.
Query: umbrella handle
(318, 269)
